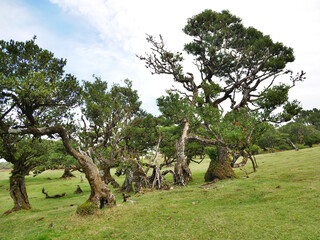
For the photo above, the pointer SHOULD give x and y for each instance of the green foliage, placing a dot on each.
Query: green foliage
(300, 133)
(33, 85)
(295, 131)
(23, 152)
(142, 134)
(273, 97)
(212, 153)
(112, 114)
(175, 108)
(312, 136)
(255, 149)
(309, 117)
(220, 40)
(193, 149)
(272, 139)
(234, 61)
(103, 106)
(56, 157)
(238, 129)
(170, 135)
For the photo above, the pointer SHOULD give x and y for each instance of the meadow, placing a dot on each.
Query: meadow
(279, 201)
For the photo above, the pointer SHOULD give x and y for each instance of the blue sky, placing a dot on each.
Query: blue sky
(101, 37)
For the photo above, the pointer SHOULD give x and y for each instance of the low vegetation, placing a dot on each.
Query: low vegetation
(280, 201)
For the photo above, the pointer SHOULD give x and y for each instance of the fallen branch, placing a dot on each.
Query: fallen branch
(55, 196)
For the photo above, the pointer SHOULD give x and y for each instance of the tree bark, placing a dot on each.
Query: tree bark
(100, 195)
(106, 175)
(136, 178)
(220, 168)
(53, 196)
(253, 162)
(67, 173)
(127, 185)
(18, 192)
(292, 144)
(181, 169)
(244, 161)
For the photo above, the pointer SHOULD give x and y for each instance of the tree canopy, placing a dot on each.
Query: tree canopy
(237, 64)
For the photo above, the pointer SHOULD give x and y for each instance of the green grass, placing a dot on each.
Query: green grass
(280, 201)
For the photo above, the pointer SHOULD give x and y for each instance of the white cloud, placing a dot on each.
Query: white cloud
(121, 26)
(124, 24)
(16, 22)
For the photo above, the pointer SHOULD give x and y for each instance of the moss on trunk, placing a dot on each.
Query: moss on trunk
(220, 167)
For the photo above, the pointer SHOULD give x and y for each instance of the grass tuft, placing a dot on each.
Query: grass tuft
(87, 208)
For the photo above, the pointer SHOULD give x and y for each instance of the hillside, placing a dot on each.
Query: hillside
(280, 201)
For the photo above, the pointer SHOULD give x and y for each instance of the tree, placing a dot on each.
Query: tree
(37, 99)
(309, 117)
(179, 109)
(24, 153)
(110, 114)
(295, 131)
(312, 136)
(234, 63)
(271, 139)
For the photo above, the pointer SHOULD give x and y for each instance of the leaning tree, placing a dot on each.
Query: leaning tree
(37, 98)
(235, 64)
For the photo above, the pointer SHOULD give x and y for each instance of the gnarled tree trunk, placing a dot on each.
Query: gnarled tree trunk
(220, 167)
(18, 190)
(246, 155)
(136, 178)
(100, 195)
(181, 169)
(67, 173)
(244, 161)
(127, 185)
(106, 176)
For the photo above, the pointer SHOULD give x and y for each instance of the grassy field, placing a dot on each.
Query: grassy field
(280, 201)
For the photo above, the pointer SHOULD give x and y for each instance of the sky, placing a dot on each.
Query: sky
(103, 37)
